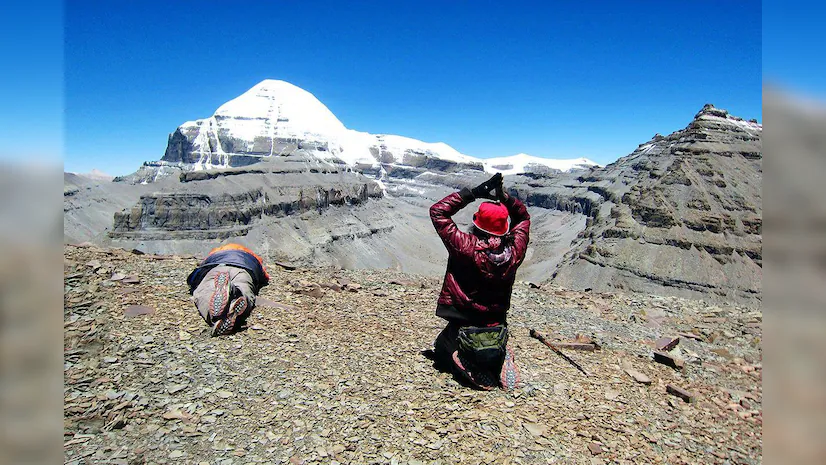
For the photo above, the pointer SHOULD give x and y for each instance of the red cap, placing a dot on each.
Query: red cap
(492, 218)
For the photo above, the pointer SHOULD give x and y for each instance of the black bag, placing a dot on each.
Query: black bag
(483, 346)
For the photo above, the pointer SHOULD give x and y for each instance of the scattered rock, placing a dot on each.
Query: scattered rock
(314, 292)
(722, 352)
(176, 388)
(286, 266)
(264, 302)
(668, 359)
(638, 377)
(332, 286)
(296, 389)
(683, 394)
(594, 448)
(535, 428)
(691, 336)
(666, 343)
(175, 415)
(137, 310)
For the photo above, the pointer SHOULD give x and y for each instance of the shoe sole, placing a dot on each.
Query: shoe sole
(236, 309)
(509, 377)
(220, 296)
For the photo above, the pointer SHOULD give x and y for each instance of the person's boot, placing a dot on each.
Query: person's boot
(478, 377)
(237, 309)
(220, 296)
(509, 377)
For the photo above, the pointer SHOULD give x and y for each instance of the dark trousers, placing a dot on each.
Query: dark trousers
(446, 343)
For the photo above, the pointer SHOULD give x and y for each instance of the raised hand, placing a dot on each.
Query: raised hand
(501, 195)
(485, 190)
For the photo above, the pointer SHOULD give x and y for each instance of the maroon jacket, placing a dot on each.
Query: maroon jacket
(480, 273)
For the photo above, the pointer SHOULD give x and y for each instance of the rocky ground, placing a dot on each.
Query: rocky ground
(331, 370)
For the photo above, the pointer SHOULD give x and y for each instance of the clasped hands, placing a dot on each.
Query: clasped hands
(491, 189)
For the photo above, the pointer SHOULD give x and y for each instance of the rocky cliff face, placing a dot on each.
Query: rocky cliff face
(217, 204)
(680, 215)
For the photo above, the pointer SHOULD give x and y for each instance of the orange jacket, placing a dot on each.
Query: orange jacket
(243, 249)
(233, 255)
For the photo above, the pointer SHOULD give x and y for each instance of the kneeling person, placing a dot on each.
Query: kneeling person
(224, 286)
(476, 292)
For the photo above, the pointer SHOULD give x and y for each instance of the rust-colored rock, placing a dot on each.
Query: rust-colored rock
(683, 394)
(666, 343)
(137, 310)
(594, 448)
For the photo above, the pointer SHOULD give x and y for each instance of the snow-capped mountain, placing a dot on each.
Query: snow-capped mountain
(95, 175)
(524, 163)
(276, 118)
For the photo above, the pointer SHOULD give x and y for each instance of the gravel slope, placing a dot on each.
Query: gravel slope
(329, 376)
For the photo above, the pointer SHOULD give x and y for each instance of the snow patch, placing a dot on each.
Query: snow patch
(519, 163)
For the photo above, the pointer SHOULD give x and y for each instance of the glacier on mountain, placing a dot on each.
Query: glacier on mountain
(276, 118)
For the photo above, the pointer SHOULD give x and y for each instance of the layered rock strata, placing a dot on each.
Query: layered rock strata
(218, 204)
(682, 214)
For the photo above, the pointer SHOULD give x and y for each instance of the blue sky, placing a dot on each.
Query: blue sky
(592, 79)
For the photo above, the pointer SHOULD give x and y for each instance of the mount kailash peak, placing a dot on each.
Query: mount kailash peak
(276, 118)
